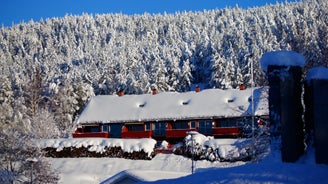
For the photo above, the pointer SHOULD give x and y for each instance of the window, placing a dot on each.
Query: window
(142, 105)
(180, 125)
(227, 123)
(91, 129)
(193, 124)
(205, 126)
(116, 130)
(105, 128)
(159, 128)
(147, 126)
(186, 102)
(205, 123)
(135, 128)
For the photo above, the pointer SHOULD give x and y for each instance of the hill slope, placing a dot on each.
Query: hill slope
(52, 67)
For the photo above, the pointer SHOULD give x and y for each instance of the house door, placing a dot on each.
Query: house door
(115, 130)
(159, 129)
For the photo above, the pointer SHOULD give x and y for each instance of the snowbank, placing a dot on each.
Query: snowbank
(99, 144)
(266, 172)
(206, 147)
(282, 58)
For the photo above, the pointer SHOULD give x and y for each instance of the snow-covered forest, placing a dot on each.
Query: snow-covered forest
(50, 68)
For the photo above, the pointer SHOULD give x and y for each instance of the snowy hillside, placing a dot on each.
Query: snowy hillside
(50, 69)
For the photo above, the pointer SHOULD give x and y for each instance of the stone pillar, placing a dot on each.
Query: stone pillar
(316, 115)
(284, 70)
(286, 109)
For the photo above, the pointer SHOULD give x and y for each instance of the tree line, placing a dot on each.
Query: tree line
(50, 68)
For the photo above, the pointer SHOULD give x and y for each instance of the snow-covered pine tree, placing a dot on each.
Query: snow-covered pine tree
(185, 78)
(6, 99)
(103, 51)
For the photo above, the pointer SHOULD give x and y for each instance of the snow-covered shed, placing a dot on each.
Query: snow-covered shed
(184, 108)
(136, 176)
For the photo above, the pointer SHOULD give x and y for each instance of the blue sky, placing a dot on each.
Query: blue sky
(16, 11)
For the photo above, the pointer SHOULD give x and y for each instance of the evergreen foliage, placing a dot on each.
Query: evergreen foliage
(55, 65)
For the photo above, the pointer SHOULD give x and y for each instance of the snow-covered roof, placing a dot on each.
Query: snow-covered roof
(210, 103)
(317, 73)
(282, 58)
(135, 176)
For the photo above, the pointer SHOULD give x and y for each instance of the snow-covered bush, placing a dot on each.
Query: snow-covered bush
(21, 162)
(98, 147)
(208, 148)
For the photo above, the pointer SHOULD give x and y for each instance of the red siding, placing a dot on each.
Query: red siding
(226, 131)
(180, 133)
(142, 134)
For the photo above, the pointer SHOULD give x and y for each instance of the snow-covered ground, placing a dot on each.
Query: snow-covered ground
(168, 166)
(95, 170)
(269, 170)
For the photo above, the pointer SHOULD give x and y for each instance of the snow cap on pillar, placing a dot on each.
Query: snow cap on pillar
(282, 58)
(319, 72)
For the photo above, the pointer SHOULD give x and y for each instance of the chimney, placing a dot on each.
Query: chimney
(242, 87)
(120, 93)
(197, 89)
(154, 91)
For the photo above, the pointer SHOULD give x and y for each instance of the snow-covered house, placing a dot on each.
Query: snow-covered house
(169, 115)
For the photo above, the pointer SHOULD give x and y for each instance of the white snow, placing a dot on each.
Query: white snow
(317, 73)
(98, 144)
(172, 105)
(95, 170)
(167, 166)
(144, 175)
(282, 58)
(270, 170)
(227, 147)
